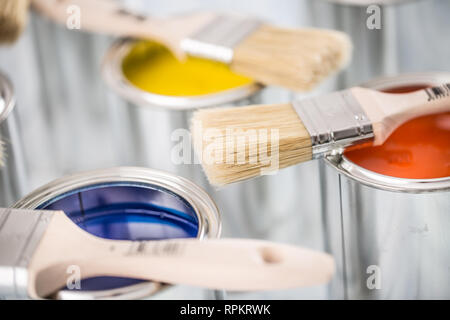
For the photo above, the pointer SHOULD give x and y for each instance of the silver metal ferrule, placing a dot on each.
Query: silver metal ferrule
(217, 39)
(334, 121)
(20, 233)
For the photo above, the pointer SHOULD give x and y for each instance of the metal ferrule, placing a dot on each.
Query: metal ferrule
(20, 233)
(217, 39)
(334, 122)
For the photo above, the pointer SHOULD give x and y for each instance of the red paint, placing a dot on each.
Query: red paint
(419, 149)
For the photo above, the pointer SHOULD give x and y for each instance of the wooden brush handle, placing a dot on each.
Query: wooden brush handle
(107, 16)
(387, 111)
(231, 264)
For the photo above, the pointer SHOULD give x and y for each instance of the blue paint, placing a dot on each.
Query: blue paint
(126, 211)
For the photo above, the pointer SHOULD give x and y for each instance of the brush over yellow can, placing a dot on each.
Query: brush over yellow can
(152, 68)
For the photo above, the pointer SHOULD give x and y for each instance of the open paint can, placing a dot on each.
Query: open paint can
(12, 168)
(130, 203)
(151, 124)
(386, 208)
(153, 99)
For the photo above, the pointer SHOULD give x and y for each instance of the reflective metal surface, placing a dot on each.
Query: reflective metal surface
(20, 233)
(407, 39)
(12, 173)
(72, 98)
(389, 236)
(334, 121)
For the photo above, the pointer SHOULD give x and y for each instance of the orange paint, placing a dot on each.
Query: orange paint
(419, 149)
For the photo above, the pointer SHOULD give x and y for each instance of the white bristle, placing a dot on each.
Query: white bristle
(293, 140)
(298, 59)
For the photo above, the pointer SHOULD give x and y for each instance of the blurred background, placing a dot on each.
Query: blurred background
(67, 115)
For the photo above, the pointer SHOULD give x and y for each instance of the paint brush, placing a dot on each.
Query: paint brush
(37, 247)
(294, 58)
(235, 144)
(13, 17)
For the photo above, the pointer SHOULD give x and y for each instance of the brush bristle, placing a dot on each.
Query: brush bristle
(292, 144)
(13, 17)
(298, 59)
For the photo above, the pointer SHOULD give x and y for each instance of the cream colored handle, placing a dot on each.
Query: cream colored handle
(387, 111)
(230, 264)
(103, 16)
(107, 16)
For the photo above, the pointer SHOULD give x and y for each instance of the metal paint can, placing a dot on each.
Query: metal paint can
(384, 48)
(389, 235)
(130, 203)
(71, 98)
(264, 208)
(13, 181)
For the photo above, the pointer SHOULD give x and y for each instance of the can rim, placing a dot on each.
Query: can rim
(367, 177)
(113, 75)
(208, 215)
(7, 96)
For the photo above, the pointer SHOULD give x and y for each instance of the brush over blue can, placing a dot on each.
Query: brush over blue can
(126, 212)
(128, 204)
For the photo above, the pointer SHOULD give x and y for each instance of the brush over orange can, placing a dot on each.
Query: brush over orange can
(419, 149)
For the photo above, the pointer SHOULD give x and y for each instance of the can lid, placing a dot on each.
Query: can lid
(7, 99)
(113, 75)
(380, 181)
(384, 182)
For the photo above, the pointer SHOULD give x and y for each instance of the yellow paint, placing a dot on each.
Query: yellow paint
(153, 68)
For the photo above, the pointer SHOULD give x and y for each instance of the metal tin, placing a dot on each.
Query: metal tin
(109, 193)
(112, 71)
(384, 49)
(389, 235)
(264, 208)
(12, 173)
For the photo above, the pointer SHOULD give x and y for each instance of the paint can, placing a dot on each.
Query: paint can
(264, 208)
(71, 98)
(146, 123)
(130, 203)
(13, 180)
(384, 33)
(390, 234)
